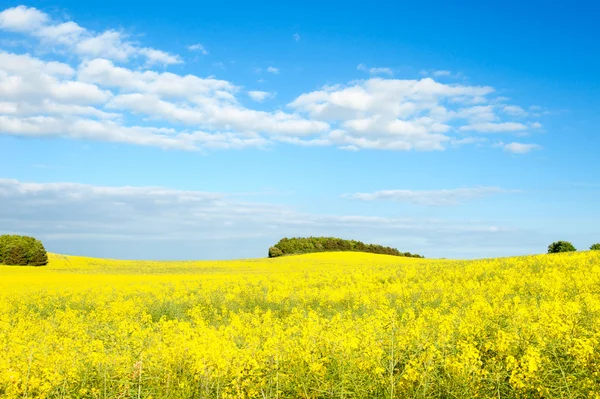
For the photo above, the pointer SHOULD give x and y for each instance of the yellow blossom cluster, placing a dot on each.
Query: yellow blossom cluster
(343, 325)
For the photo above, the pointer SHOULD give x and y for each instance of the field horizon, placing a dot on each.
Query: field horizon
(65, 256)
(332, 324)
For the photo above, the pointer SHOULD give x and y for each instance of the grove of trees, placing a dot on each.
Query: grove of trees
(18, 250)
(303, 245)
(560, 246)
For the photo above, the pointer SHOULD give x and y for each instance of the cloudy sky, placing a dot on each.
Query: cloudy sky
(212, 130)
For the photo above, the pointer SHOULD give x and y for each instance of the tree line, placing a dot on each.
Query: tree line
(304, 245)
(18, 250)
(566, 246)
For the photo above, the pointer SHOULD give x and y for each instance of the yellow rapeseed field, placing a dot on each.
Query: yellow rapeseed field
(343, 325)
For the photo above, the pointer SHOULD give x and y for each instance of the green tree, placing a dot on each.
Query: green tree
(14, 255)
(22, 251)
(560, 246)
(275, 252)
(595, 247)
(37, 255)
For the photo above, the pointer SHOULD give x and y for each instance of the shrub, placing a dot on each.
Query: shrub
(560, 246)
(275, 252)
(22, 251)
(595, 247)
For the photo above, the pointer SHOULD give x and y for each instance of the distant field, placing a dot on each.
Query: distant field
(343, 325)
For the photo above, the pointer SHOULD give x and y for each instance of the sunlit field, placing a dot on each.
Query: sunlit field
(343, 325)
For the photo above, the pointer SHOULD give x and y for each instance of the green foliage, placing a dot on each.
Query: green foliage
(595, 247)
(560, 246)
(22, 251)
(303, 245)
(275, 252)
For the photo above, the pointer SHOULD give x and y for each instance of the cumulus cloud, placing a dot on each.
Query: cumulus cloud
(381, 71)
(106, 73)
(441, 73)
(51, 99)
(377, 113)
(109, 44)
(80, 128)
(199, 48)
(495, 127)
(259, 96)
(109, 96)
(468, 140)
(374, 70)
(429, 197)
(31, 87)
(514, 110)
(477, 114)
(397, 114)
(536, 125)
(520, 148)
(22, 19)
(71, 215)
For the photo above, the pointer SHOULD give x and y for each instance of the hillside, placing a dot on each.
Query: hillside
(356, 324)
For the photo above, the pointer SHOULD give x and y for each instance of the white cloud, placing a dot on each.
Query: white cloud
(468, 140)
(381, 71)
(495, 127)
(101, 100)
(478, 113)
(388, 114)
(439, 73)
(210, 103)
(259, 96)
(429, 197)
(111, 131)
(199, 48)
(24, 64)
(26, 81)
(219, 115)
(520, 148)
(104, 72)
(67, 34)
(303, 142)
(393, 114)
(375, 71)
(108, 44)
(96, 130)
(514, 110)
(159, 57)
(22, 19)
(49, 99)
(296, 37)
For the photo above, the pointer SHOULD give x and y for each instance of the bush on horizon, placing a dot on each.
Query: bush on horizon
(18, 250)
(561, 246)
(304, 245)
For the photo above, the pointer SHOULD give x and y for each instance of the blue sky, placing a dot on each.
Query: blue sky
(190, 130)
